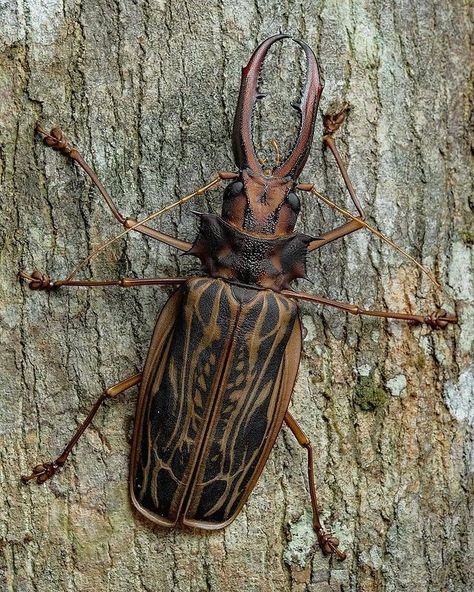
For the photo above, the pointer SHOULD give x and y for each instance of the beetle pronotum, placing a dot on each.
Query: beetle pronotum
(223, 359)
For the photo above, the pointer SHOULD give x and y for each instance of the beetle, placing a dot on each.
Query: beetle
(224, 355)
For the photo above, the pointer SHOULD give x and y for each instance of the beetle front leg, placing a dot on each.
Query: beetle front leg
(333, 120)
(329, 544)
(355, 223)
(336, 233)
(57, 140)
(45, 471)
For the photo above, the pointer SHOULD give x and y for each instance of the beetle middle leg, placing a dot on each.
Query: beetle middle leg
(438, 319)
(328, 543)
(45, 471)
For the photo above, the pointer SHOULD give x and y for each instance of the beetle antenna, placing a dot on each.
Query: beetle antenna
(382, 236)
(166, 208)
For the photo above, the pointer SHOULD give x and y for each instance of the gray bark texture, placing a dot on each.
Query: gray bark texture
(147, 89)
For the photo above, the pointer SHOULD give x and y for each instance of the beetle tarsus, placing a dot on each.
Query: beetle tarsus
(334, 118)
(38, 280)
(329, 544)
(439, 319)
(43, 472)
(56, 139)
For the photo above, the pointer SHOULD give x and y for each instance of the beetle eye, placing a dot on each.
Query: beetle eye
(233, 189)
(294, 202)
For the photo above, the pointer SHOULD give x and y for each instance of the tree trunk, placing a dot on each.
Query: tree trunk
(147, 91)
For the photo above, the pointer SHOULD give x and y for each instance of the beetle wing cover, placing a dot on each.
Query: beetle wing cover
(216, 386)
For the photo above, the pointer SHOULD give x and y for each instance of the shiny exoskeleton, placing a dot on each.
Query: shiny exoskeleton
(215, 390)
(223, 359)
(218, 382)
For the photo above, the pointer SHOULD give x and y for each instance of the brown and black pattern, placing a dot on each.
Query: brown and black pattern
(226, 348)
(227, 252)
(215, 391)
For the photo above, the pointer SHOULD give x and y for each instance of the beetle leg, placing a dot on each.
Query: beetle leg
(45, 471)
(438, 319)
(328, 543)
(343, 230)
(41, 281)
(332, 122)
(57, 140)
(339, 232)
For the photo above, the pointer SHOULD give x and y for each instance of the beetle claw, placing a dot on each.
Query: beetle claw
(329, 544)
(42, 473)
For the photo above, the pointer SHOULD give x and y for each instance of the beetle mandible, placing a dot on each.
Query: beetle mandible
(223, 359)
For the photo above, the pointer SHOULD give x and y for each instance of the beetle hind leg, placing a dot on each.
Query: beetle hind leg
(45, 471)
(327, 541)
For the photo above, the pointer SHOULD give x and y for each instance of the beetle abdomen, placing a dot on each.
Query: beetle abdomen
(211, 406)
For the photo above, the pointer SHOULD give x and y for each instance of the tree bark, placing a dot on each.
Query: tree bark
(147, 89)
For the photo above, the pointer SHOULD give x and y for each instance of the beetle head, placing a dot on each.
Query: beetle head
(264, 202)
